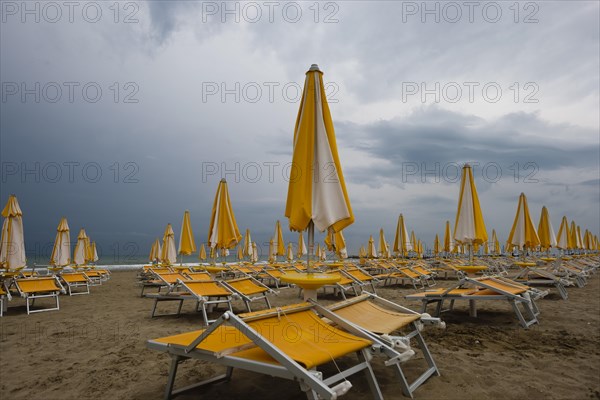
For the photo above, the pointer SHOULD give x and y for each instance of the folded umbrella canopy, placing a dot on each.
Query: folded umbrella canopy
(169, 254)
(93, 253)
(448, 240)
(469, 227)
(301, 246)
(278, 243)
(402, 243)
(155, 252)
(223, 232)
(61, 252)
(546, 231)
(248, 250)
(79, 255)
(436, 245)
(317, 195)
(202, 253)
(579, 241)
(290, 252)
(523, 234)
(254, 257)
(573, 236)
(562, 238)
(12, 244)
(371, 250)
(187, 245)
(383, 248)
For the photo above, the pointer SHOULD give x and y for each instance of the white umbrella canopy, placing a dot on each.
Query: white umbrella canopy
(523, 234)
(169, 251)
(79, 255)
(61, 252)
(12, 244)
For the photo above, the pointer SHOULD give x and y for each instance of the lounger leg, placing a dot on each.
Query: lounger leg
(472, 309)
(375, 390)
(267, 301)
(562, 291)
(154, 308)
(171, 380)
(180, 305)
(204, 314)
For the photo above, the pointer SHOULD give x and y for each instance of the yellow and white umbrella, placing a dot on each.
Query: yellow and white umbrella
(223, 232)
(202, 253)
(155, 252)
(469, 227)
(579, 240)
(254, 257)
(523, 234)
(495, 242)
(371, 250)
(240, 253)
(362, 253)
(301, 246)
(448, 240)
(272, 251)
(317, 195)
(79, 255)
(573, 236)
(168, 252)
(340, 245)
(413, 242)
(546, 231)
(93, 253)
(562, 239)
(383, 249)
(278, 242)
(290, 252)
(61, 252)
(248, 249)
(12, 244)
(420, 248)
(436, 245)
(187, 244)
(402, 243)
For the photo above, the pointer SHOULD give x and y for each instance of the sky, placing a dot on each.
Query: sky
(120, 116)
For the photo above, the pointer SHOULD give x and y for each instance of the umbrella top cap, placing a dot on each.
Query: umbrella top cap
(314, 67)
(223, 180)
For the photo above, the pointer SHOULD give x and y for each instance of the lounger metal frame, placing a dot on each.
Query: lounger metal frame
(71, 285)
(250, 298)
(52, 293)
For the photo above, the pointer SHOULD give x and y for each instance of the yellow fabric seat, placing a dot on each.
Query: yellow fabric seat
(74, 277)
(38, 285)
(374, 318)
(246, 286)
(207, 288)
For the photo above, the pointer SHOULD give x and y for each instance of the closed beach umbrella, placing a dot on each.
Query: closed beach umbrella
(155, 251)
(79, 255)
(254, 253)
(169, 254)
(383, 247)
(93, 252)
(523, 234)
(278, 240)
(546, 231)
(248, 249)
(562, 238)
(301, 246)
(240, 253)
(362, 253)
(223, 232)
(371, 250)
(187, 244)
(272, 257)
(448, 240)
(579, 241)
(413, 242)
(202, 253)
(340, 245)
(469, 227)
(312, 199)
(495, 242)
(402, 243)
(61, 252)
(290, 252)
(12, 244)
(573, 236)
(436, 245)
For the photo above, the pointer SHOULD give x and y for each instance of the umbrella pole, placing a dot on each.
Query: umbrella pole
(311, 244)
(471, 253)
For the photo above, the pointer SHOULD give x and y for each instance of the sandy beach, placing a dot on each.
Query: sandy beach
(94, 347)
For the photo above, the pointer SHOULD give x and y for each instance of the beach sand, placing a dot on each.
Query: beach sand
(94, 347)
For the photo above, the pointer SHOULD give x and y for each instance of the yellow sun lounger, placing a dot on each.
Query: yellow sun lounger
(164, 280)
(206, 294)
(4, 297)
(249, 290)
(380, 318)
(36, 288)
(485, 288)
(263, 342)
(73, 280)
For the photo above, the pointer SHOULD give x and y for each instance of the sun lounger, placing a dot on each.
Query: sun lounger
(485, 288)
(163, 280)
(76, 280)
(263, 342)
(533, 276)
(4, 297)
(381, 318)
(206, 294)
(249, 290)
(36, 288)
